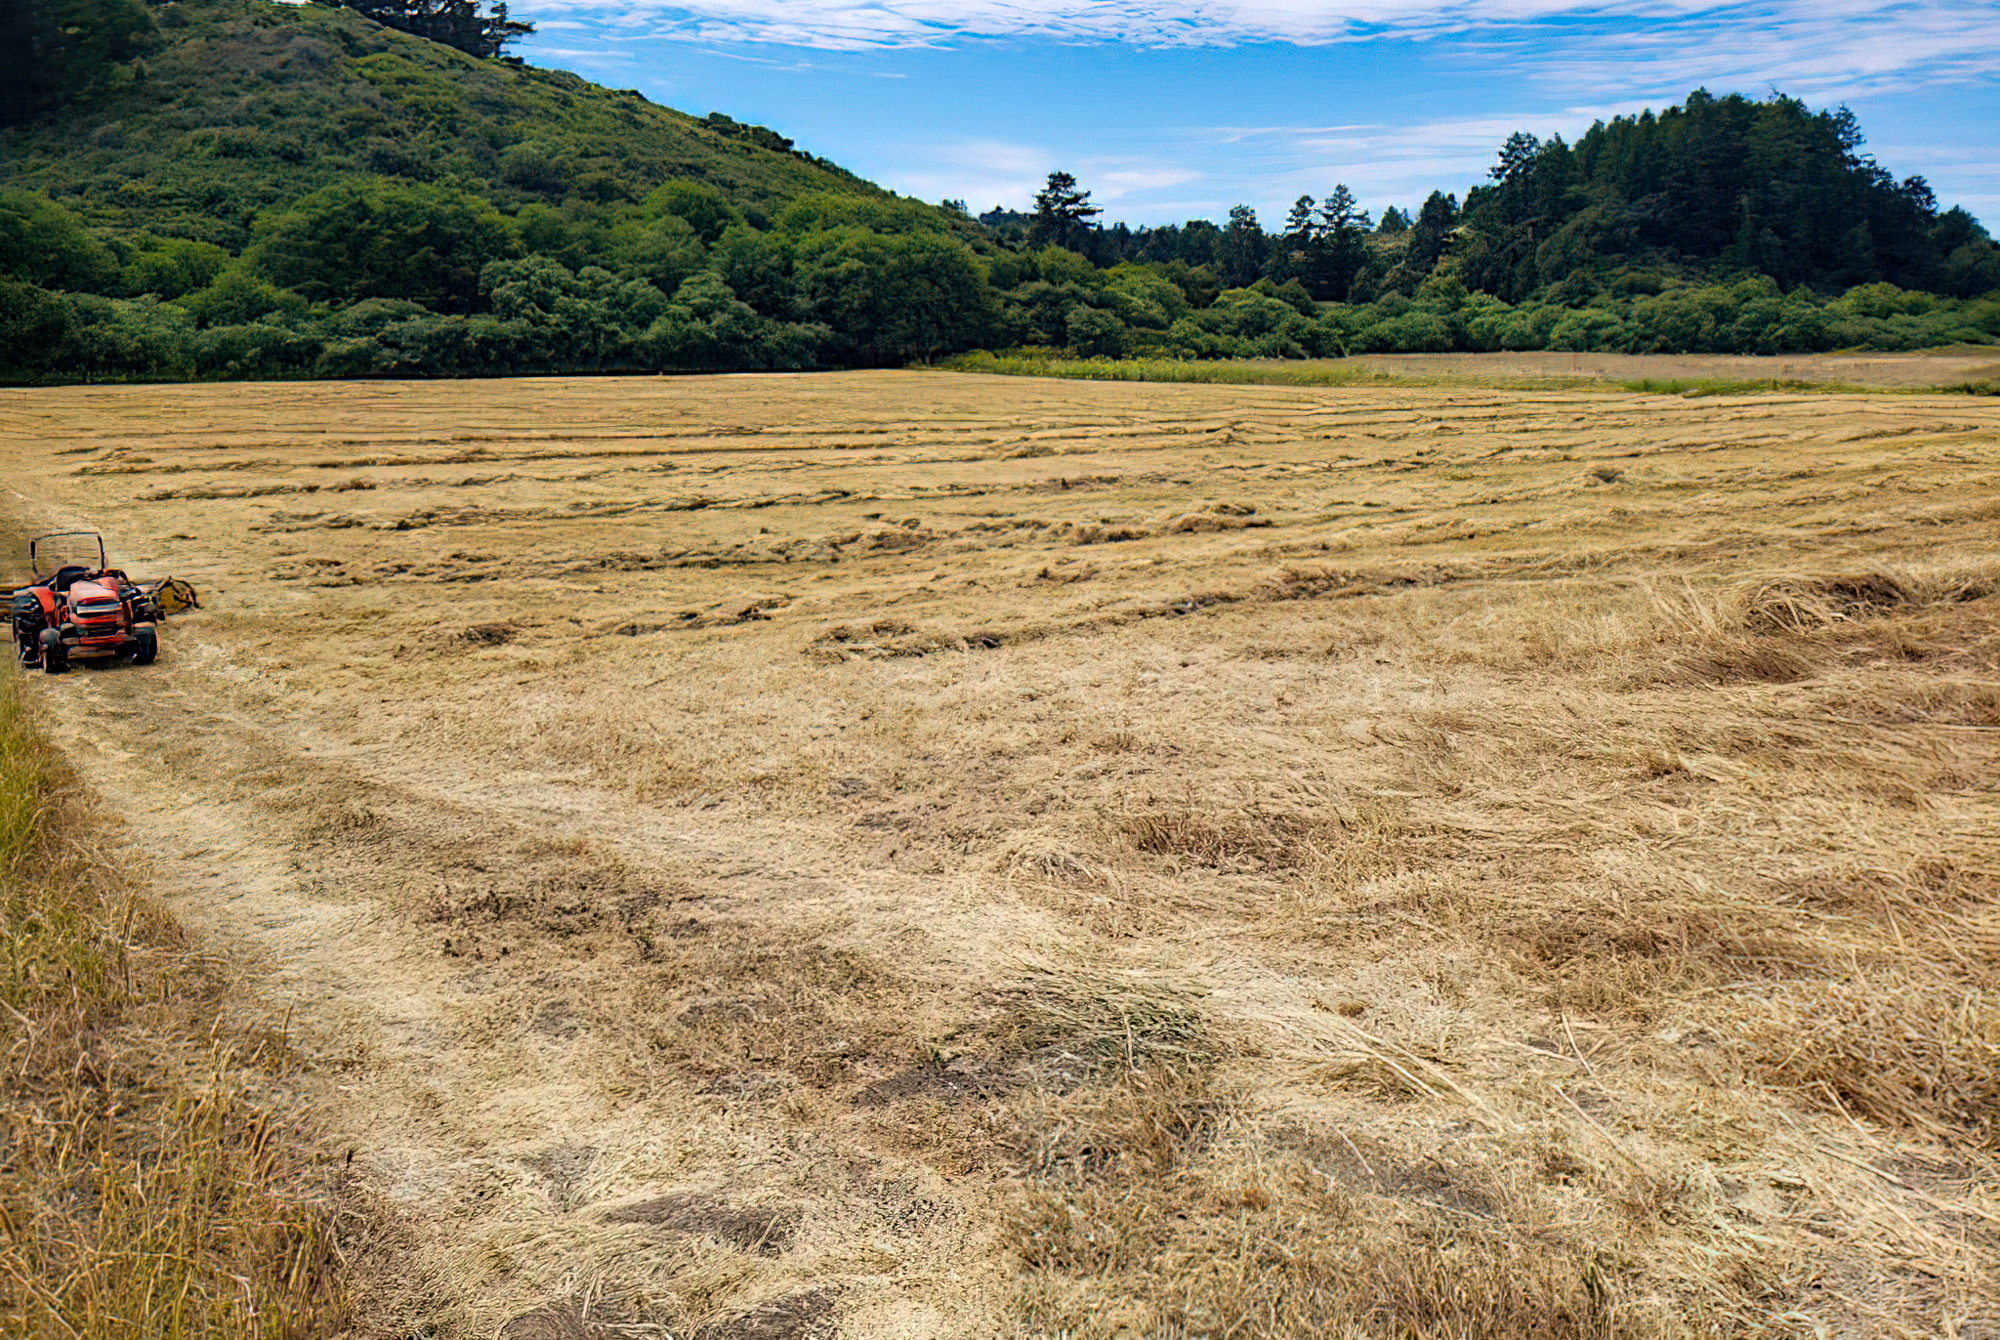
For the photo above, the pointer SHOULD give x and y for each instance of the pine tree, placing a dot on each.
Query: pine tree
(455, 23)
(1299, 223)
(1520, 150)
(1244, 248)
(1063, 214)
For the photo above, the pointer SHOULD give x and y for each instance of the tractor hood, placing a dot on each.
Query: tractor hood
(88, 592)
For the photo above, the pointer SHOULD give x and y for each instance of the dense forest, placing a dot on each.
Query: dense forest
(234, 188)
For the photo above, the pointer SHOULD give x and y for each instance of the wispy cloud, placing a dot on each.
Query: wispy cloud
(1415, 94)
(1645, 46)
(980, 172)
(1379, 162)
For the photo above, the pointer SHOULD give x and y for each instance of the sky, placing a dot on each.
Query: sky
(1168, 110)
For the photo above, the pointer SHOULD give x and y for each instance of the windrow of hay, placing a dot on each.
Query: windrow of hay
(146, 1191)
(1807, 603)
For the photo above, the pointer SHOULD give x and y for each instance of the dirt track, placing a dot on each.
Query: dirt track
(704, 830)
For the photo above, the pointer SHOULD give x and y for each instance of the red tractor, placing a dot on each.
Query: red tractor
(79, 609)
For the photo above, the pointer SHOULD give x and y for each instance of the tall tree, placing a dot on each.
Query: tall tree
(1244, 248)
(1299, 223)
(1515, 155)
(1063, 214)
(1341, 210)
(1295, 252)
(1340, 245)
(1430, 235)
(455, 23)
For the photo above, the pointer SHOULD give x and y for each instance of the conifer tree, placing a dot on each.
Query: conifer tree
(455, 23)
(1063, 214)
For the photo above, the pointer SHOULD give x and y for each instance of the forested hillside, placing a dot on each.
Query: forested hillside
(235, 188)
(1768, 187)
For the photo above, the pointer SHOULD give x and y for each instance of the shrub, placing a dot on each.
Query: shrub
(44, 244)
(377, 238)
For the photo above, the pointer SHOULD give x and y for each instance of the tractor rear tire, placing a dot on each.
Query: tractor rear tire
(55, 655)
(148, 649)
(28, 626)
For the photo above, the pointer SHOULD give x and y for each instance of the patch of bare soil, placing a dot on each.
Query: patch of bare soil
(909, 855)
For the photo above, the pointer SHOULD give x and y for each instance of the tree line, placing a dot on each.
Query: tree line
(1723, 225)
(1717, 186)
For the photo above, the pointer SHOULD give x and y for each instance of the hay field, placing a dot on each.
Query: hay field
(908, 855)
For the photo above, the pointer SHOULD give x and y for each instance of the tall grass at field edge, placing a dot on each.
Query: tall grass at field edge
(1224, 371)
(145, 1193)
(1246, 372)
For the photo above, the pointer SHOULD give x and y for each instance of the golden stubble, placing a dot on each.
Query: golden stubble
(955, 855)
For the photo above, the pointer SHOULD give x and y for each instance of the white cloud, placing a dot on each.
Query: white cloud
(1113, 182)
(982, 173)
(1646, 46)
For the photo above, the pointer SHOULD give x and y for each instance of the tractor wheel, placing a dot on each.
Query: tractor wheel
(55, 656)
(148, 649)
(28, 626)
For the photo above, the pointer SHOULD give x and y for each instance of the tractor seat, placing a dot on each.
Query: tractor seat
(68, 577)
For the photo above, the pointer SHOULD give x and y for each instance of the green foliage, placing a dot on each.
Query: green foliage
(894, 298)
(173, 266)
(701, 207)
(238, 295)
(1144, 299)
(377, 238)
(1769, 187)
(301, 192)
(456, 23)
(585, 320)
(58, 50)
(1063, 213)
(248, 106)
(43, 243)
(706, 328)
(33, 324)
(536, 168)
(1094, 332)
(664, 251)
(827, 209)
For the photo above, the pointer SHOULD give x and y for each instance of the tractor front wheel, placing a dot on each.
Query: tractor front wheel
(55, 656)
(148, 649)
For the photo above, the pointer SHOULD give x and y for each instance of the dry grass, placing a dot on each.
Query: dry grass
(145, 1192)
(1149, 1209)
(932, 855)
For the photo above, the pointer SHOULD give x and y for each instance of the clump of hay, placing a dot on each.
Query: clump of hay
(1925, 1056)
(1803, 604)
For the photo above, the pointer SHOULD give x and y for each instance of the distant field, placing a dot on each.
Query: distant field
(1963, 367)
(940, 855)
(1921, 370)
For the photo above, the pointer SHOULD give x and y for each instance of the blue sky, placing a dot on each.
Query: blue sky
(1177, 109)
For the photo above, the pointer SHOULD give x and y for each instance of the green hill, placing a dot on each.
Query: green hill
(235, 188)
(215, 110)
